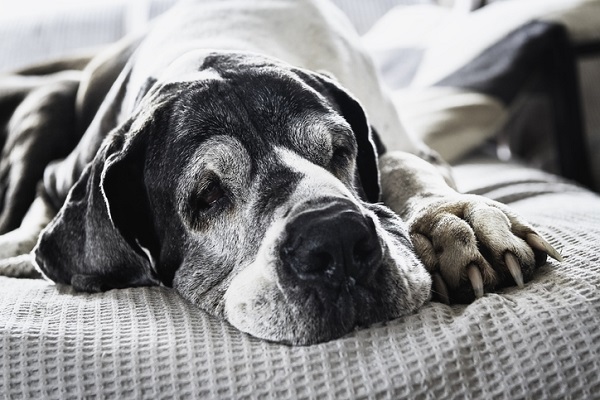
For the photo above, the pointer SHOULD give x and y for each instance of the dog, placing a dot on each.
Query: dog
(246, 155)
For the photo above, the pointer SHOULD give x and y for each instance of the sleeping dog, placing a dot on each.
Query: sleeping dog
(245, 154)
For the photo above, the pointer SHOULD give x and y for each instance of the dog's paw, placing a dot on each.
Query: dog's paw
(19, 267)
(16, 243)
(471, 245)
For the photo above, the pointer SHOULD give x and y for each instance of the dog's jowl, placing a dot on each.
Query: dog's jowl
(245, 166)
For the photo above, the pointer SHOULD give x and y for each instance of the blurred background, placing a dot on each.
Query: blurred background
(543, 109)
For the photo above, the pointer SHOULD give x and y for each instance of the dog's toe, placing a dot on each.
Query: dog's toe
(473, 245)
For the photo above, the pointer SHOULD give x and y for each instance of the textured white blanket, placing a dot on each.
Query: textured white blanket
(540, 342)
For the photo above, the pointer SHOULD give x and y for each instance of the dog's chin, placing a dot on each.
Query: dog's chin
(259, 304)
(296, 321)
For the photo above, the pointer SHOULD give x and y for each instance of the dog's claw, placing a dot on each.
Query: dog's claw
(476, 280)
(440, 289)
(514, 268)
(536, 242)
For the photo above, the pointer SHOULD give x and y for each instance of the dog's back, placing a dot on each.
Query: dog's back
(309, 34)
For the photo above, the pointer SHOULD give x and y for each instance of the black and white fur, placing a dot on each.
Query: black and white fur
(229, 152)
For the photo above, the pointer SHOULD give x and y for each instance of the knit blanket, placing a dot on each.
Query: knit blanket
(539, 342)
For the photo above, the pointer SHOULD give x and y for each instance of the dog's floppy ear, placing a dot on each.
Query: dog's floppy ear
(367, 168)
(102, 237)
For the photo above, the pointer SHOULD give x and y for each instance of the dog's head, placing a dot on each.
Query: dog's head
(250, 187)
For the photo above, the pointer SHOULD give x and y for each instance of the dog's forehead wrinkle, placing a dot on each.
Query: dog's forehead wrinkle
(279, 108)
(222, 155)
(317, 134)
(266, 87)
(311, 129)
(211, 109)
(221, 151)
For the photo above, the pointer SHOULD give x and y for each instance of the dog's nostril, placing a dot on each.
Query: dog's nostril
(321, 261)
(313, 262)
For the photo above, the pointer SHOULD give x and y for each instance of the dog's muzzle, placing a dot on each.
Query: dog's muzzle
(325, 266)
(330, 245)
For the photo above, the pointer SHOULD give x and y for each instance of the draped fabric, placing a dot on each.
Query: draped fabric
(539, 342)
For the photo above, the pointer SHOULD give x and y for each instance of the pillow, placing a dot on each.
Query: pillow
(457, 76)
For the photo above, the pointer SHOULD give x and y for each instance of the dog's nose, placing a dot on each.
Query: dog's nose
(333, 244)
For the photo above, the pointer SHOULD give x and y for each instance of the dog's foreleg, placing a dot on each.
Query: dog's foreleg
(469, 244)
(407, 181)
(16, 259)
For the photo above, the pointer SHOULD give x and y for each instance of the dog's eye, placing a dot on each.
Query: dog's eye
(340, 154)
(341, 157)
(344, 147)
(209, 200)
(210, 195)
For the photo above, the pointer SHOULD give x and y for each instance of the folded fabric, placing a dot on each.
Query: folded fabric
(456, 76)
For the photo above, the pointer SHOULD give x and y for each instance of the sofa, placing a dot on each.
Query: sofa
(542, 341)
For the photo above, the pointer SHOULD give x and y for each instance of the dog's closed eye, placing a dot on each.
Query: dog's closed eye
(210, 195)
(206, 202)
(343, 156)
